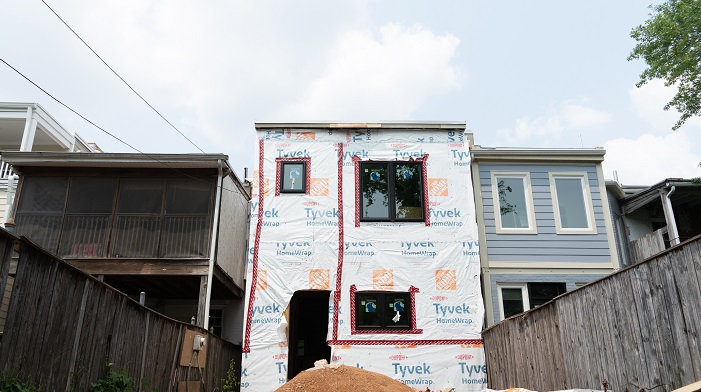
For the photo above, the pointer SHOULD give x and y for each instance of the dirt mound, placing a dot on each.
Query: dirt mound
(342, 379)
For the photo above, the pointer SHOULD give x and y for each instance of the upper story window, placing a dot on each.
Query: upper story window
(292, 175)
(391, 191)
(572, 203)
(513, 203)
(101, 217)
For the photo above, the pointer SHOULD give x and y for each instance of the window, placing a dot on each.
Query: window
(111, 217)
(572, 203)
(216, 317)
(382, 310)
(515, 298)
(41, 204)
(293, 177)
(540, 293)
(513, 203)
(87, 220)
(391, 191)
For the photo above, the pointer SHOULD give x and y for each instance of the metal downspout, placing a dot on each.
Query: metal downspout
(213, 248)
(671, 221)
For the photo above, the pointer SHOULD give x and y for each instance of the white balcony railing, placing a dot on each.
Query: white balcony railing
(5, 170)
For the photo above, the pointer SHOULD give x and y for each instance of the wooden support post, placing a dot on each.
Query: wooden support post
(201, 303)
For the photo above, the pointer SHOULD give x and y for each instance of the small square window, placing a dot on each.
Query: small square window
(293, 177)
(382, 310)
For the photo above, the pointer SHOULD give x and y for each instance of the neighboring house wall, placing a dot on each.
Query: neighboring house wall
(545, 246)
(233, 231)
(531, 250)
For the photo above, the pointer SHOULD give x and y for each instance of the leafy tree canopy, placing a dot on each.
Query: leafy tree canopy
(670, 43)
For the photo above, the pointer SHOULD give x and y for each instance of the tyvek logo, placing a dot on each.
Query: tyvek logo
(453, 314)
(398, 357)
(319, 187)
(473, 370)
(421, 249)
(319, 279)
(438, 187)
(383, 279)
(413, 372)
(361, 248)
(266, 313)
(362, 154)
(359, 136)
(455, 137)
(443, 217)
(405, 155)
(460, 158)
(470, 248)
(293, 248)
(321, 217)
(446, 280)
(283, 153)
(268, 215)
(464, 357)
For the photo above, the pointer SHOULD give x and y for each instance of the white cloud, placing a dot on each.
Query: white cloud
(649, 101)
(651, 158)
(568, 116)
(383, 76)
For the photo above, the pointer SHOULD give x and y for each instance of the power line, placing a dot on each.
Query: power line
(120, 77)
(103, 129)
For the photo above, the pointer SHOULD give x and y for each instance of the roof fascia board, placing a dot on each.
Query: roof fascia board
(533, 155)
(362, 125)
(17, 158)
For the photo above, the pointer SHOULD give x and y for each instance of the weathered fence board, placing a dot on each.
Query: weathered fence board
(63, 327)
(638, 328)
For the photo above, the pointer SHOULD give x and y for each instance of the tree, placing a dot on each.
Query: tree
(670, 43)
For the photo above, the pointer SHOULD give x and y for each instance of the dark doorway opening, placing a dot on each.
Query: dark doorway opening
(308, 325)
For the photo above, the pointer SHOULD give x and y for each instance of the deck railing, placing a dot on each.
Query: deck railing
(5, 170)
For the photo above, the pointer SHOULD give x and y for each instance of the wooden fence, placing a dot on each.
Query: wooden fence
(63, 326)
(637, 328)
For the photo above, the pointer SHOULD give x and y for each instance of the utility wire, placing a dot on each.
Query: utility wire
(120, 78)
(103, 129)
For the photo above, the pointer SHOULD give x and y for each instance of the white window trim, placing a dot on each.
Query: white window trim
(584, 180)
(530, 208)
(524, 295)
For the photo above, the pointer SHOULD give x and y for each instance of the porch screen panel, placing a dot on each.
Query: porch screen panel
(187, 224)
(138, 221)
(86, 225)
(40, 210)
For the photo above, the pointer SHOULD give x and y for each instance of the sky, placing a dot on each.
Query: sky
(546, 73)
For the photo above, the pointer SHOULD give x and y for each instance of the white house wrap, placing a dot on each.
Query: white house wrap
(403, 291)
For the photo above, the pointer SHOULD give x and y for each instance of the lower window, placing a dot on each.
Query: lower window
(515, 298)
(382, 310)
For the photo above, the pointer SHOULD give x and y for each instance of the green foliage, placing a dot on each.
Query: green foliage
(231, 380)
(670, 43)
(12, 383)
(114, 381)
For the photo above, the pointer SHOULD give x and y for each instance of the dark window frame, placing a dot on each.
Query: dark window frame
(384, 329)
(391, 188)
(306, 176)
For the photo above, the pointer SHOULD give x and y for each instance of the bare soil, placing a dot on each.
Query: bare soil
(342, 379)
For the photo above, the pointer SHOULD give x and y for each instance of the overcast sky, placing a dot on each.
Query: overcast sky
(545, 73)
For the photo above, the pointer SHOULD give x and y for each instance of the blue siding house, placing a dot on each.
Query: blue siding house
(544, 225)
